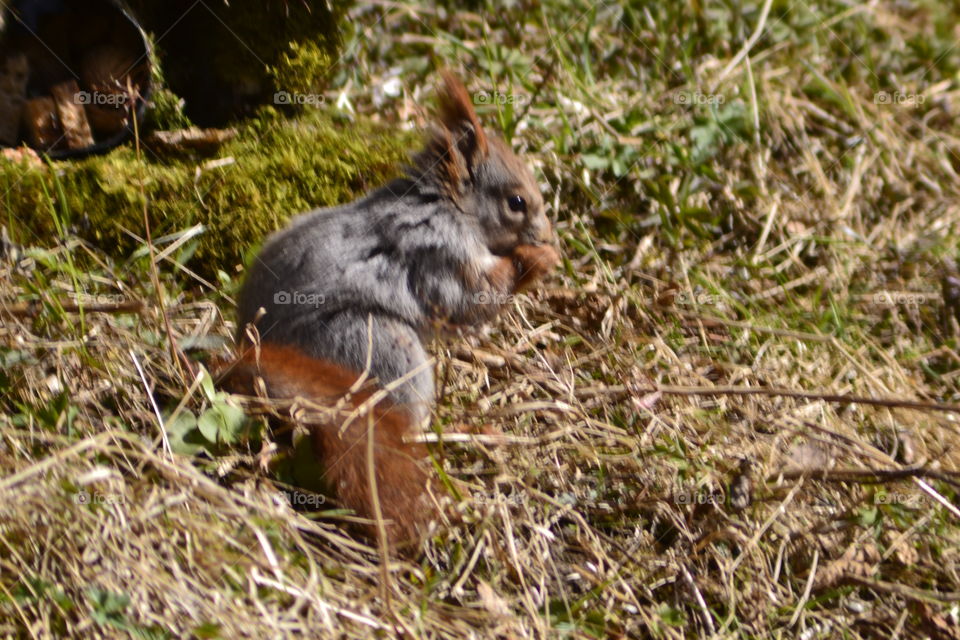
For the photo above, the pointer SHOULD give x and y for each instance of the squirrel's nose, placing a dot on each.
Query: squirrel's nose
(541, 231)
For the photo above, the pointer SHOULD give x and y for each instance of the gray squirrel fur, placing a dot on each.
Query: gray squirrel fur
(423, 252)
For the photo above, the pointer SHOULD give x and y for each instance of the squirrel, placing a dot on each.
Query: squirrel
(357, 288)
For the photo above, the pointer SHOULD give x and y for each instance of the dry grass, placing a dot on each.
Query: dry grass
(806, 248)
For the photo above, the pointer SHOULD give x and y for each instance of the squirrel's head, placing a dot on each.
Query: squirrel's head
(481, 176)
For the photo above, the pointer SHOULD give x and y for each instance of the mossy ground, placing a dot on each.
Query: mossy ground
(274, 168)
(747, 197)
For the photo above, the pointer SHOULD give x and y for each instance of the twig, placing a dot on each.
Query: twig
(153, 403)
(897, 403)
(884, 458)
(385, 583)
(936, 495)
(752, 40)
(179, 360)
(323, 606)
(701, 603)
(780, 510)
(867, 476)
(786, 333)
(806, 590)
(11, 481)
(902, 590)
(32, 309)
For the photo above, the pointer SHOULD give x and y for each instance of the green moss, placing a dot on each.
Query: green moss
(280, 168)
(166, 111)
(304, 68)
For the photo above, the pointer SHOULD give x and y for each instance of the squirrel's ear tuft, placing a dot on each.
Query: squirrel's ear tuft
(458, 116)
(456, 145)
(443, 163)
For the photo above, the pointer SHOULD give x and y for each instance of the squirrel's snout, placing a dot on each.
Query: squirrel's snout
(540, 232)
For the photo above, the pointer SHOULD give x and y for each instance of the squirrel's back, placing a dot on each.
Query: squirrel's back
(362, 255)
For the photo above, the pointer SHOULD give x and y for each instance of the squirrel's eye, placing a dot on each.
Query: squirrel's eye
(517, 203)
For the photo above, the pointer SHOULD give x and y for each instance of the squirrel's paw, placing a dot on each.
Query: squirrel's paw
(533, 262)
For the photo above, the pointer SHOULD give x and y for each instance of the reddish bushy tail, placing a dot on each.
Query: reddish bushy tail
(340, 440)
